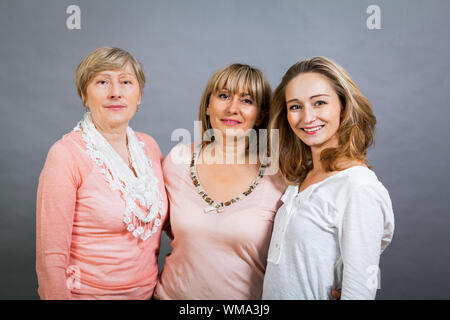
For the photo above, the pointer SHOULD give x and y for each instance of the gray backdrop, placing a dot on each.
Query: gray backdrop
(402, 68)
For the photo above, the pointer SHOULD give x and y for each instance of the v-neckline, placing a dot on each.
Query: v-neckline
(220, 205)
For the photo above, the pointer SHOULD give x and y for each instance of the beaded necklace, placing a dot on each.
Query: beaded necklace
(220, 206)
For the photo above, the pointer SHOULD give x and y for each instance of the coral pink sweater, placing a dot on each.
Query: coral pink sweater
(83, 250)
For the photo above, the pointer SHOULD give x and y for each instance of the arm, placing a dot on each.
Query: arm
(55, 204)
(360, 234)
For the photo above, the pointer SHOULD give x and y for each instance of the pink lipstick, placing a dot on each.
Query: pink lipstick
(116, 107)
(231, 122)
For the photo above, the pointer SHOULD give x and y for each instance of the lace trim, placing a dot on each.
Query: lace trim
(144, 206)
(220, 206)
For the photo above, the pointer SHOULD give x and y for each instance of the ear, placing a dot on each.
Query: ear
(83, 99)
(207, 110)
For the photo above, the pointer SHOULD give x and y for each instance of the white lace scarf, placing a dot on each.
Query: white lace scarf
(144, 204)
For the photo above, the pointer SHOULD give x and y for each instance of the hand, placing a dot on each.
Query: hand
(336, 294)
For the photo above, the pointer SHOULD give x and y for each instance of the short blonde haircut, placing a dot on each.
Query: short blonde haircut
(356, 129)
(237, 78)
(105, 58)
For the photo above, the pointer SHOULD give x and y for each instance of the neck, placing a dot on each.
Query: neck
(317, 164)
(116, 136)
(317, 150)
(229, 150)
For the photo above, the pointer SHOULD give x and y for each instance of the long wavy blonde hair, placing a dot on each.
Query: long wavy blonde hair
(356, 129)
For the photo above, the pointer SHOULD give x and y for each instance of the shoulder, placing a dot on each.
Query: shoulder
(180, 154)
(64, 158)
(276, 183)
(358, 182)
(177, 164)
(148, 140)
(66, 146)
(360, 179)
(363, 191)
(150, 145)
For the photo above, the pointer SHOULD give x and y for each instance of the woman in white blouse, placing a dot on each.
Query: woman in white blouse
(336, 217)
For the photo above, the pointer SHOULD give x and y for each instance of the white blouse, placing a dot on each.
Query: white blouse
(330, 236)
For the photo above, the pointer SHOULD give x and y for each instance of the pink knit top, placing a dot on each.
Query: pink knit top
(83, 250)
(216, 255)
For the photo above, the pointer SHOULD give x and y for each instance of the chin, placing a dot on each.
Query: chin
(119, 119)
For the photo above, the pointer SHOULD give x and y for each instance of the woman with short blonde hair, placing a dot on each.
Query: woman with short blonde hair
(101, 200)
(336, 217)
(221, 208)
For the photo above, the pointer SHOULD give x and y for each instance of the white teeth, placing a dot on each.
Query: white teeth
(313, 129)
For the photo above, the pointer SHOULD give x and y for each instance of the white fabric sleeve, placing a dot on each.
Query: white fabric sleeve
(361, 232)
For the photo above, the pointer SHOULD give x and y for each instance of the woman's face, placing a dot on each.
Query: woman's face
(232, 113)
(113, 97)
(313, 110)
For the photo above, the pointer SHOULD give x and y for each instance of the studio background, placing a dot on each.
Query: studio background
(402, 68)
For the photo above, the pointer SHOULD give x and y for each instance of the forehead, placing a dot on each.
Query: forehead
(306, 85)
(126, 70)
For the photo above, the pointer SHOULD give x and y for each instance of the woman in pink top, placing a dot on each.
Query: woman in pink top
(101, 200)
(223, 194)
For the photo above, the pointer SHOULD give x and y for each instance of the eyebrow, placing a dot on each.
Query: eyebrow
(244, 94)
(312, 97)
(120, 75)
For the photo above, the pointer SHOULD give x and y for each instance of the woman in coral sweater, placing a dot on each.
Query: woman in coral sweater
(101, 200)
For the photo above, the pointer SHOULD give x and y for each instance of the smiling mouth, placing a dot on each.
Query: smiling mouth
(230, 122)
(312, 130)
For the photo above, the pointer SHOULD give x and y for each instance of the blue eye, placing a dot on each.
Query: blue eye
(319, 103)
(248, 101)
(295, 107)
(223, 95)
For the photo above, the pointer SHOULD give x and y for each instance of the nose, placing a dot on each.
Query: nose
(115, 91)
(233, 105)
(309, 115)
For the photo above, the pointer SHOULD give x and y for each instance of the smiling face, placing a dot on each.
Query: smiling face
(230, 113)
(313, 110)
(112, 97)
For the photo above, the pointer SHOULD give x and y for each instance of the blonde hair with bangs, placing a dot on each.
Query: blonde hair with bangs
(105, 58)
(356, 129)
(235, 78)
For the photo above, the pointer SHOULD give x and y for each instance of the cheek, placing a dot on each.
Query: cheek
(293, 119)
(94, 97)
(251, 115)
(134, 95)
(334, 117)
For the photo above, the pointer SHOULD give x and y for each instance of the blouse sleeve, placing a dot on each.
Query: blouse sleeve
(365, 229)
(56, 198)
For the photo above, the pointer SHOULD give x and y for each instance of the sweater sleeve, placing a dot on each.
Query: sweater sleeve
(55, 206)
(362, 231)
